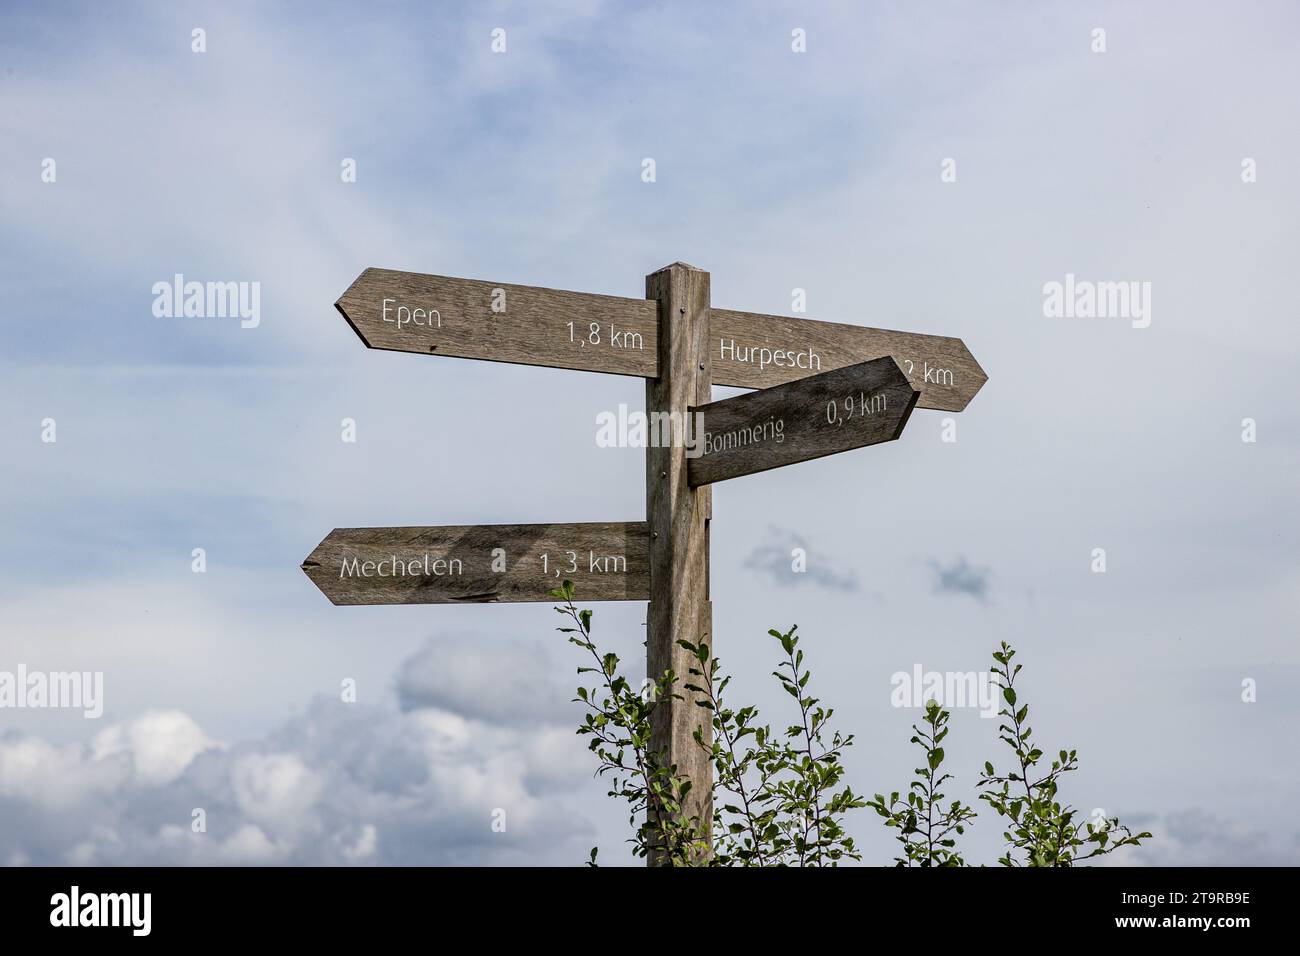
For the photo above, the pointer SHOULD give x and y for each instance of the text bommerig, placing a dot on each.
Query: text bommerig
(772, 430)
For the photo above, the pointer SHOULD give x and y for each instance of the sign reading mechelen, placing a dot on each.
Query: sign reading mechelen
(469, 564)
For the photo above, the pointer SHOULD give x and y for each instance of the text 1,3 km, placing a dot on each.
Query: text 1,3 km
(597, 334)
(570, 562)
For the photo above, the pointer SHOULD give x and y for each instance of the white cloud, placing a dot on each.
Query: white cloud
(501, 682)
(249, 846)
(339, 784)
(1196, 837)
(159, 744)
(55, 776)
(277, 789)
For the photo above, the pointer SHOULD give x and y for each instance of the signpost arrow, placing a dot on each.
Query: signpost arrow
(465, 564)
(808, 418)
(758, 351)
(528, 325)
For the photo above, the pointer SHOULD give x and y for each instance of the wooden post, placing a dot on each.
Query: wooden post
(678, 519)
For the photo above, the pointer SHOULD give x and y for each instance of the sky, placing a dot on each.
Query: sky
(827, 170)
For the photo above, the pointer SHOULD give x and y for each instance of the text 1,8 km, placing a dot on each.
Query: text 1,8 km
(596, 335)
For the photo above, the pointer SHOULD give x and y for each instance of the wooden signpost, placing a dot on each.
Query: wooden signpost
(823, 387)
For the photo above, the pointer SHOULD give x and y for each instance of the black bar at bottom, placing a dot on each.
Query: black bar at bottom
(334, 906)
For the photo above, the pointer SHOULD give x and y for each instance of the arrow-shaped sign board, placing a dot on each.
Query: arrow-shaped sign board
(467, 318)
(607, 561)
(758, 351)
(822, 414)
(528, 325)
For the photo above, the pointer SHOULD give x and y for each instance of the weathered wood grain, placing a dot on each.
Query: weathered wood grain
(529, 325)
(606, 561)
(751, 350)
(532, 326)
(811, 417)
(678, 518)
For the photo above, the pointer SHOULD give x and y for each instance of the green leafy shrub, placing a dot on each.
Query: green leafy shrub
(1042, 832)
(778, 796)
(927, 830)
